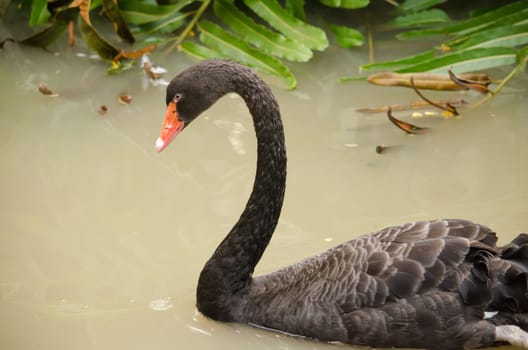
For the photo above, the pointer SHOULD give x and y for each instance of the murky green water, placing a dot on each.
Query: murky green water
(102, 239)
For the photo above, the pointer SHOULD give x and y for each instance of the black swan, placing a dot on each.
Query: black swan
(441, 284)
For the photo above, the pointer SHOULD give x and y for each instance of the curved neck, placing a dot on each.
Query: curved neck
(226, 276)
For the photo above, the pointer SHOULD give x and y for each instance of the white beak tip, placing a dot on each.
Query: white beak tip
(160, 145)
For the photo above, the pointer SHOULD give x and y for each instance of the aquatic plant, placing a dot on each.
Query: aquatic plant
(266, 34)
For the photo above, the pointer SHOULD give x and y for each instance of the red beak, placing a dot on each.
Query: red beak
(170, 128)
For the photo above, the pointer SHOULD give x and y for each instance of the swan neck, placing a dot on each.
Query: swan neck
(226, 277)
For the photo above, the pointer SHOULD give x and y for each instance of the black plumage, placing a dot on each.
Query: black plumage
(441, 284)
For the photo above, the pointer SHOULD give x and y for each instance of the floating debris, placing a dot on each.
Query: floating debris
(413, 105)
(103, 109)
(381, 149)
(429, 81)
(407, 127)
(154, 72)
(134, 54)
(447, 107)
(45, 90)
(479, 86)
(125, 99)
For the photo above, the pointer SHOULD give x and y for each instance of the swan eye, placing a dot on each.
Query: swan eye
(177, 97)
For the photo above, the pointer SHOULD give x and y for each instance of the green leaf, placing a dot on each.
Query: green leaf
(346, 4)
(522, 59)
(104, 49)
(509, 21)
(477, 11)
(508, 14)
(58, 26)
(347, 37)
(39, 13)
(155, 40)
(112, 11)
(232, 46)
(166, 25)
(95, 4)
(406, 61)
(467, 61)
(296, 8)
(419, 5)
(118, 67)
(199, 51)
(295, 29)
(138, 12)
(421, 18)
(507, 36)
(268, 41)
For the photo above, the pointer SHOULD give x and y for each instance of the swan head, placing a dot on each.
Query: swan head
(189, 94)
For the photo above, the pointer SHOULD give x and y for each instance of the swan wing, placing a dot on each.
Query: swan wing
(319, 295)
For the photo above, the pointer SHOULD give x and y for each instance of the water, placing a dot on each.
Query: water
(102, 239)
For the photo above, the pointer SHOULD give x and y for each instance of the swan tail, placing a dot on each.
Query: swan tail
(489, 306)
(510, 293)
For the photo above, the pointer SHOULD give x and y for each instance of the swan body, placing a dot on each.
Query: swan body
(441, 284)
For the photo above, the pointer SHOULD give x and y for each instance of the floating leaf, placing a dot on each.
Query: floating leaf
(481, 87)
(347, 4)
(295, 29)
(232, 46)
(467, 61)
(268, 41)
(138, 12)
(421, 18)
(429, 81)
(407, 127)
(413, 105)
(447, 108)
(347, 37)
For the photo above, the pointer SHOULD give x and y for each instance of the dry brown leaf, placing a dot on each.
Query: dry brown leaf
(429, 81)
(407, 127)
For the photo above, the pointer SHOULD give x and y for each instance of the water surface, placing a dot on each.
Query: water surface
(102, 239)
